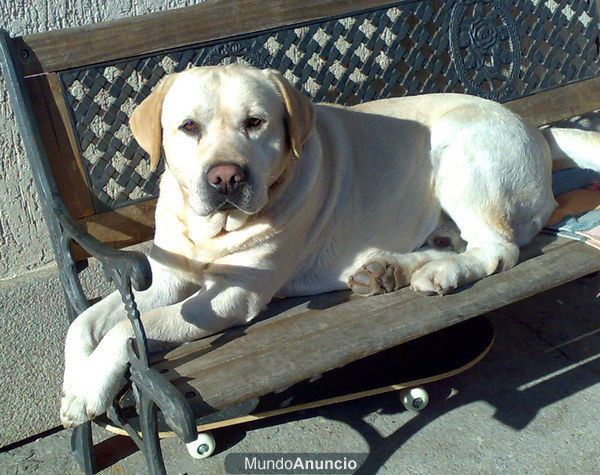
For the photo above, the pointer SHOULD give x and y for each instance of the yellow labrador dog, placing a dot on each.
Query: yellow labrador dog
(265, 193)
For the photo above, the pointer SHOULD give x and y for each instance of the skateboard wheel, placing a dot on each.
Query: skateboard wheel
(414, 399)
(203, 446)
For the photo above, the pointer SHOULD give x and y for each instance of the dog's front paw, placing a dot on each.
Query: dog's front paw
(86, 399)
(376, 277)
(74, 410)
(437, 277)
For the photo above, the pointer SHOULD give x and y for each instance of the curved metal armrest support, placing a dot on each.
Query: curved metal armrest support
(126, 269)
(131, 263)
(176, 410)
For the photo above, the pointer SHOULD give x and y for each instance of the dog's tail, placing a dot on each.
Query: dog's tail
(579, 146)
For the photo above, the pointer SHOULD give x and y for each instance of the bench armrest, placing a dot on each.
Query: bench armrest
(126, 269)
(134, 263)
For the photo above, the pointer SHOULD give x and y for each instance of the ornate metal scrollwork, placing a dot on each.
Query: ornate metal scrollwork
(485, 47)
(228, 53)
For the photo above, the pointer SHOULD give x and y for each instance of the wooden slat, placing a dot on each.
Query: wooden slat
(58, 138)
(122, 227)
(210, 20)
(245, 363)
(62, 109)
(284, 311)
(560, 103)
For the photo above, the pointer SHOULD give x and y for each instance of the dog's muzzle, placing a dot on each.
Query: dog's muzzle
(228, 187)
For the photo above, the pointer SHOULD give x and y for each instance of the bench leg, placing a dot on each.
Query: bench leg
(82, 448)
(150, 440)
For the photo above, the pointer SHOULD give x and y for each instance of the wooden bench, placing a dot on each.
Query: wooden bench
(74, 90)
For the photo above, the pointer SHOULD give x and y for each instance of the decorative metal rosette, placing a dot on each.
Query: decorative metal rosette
(485, 47)
(229, 53)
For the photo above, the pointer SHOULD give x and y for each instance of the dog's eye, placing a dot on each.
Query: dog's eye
(253, 122)
(189, 126)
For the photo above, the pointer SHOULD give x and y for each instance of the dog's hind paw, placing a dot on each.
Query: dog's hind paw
(376, 277)
(434, 278)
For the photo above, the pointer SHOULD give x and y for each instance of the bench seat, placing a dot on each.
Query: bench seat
(297, 338)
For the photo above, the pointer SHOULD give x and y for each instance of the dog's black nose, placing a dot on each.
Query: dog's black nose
(226, 177)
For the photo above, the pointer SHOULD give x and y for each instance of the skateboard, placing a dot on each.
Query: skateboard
(403, 368)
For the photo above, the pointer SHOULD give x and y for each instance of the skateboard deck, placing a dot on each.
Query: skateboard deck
(430, 358)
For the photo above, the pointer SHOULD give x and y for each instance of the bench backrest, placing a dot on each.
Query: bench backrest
(540, 57)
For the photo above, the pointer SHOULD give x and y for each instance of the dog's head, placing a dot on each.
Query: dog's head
(227, 133)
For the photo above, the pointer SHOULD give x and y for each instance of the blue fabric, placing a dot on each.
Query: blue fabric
(583, 222)
(571, 179)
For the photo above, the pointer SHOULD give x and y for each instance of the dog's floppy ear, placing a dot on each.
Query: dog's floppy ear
(145, 121)
(300, 111)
